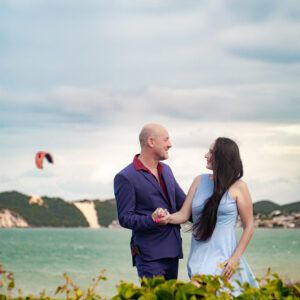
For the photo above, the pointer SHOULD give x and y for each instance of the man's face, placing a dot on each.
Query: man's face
(161, 145)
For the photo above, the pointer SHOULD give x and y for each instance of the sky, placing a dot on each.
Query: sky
(79, 79)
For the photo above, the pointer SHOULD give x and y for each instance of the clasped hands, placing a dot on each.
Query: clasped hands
(160, 216)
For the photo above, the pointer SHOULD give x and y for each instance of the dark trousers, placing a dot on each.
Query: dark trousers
(167, 267)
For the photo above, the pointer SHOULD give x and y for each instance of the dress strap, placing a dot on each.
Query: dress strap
(205, 177)
(205, 180)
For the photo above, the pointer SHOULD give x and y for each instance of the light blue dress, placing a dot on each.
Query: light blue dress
(205, 257)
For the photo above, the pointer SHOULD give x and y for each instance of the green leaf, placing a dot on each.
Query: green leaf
(164, 294)
(158, 280)
(117, 297)
(11, 285)
(128, 293)
(297, 287)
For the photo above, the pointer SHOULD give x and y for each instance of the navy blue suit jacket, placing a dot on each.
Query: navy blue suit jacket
(138, 194)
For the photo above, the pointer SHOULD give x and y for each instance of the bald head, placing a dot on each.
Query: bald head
(151, 130)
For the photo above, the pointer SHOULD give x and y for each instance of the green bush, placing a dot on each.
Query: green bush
(211, 287)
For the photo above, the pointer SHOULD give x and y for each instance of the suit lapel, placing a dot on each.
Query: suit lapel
(154, 182)
(169, 189)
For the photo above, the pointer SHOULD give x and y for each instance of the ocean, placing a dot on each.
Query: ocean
(39, 257)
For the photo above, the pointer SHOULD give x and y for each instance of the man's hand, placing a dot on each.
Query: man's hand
(159, 216)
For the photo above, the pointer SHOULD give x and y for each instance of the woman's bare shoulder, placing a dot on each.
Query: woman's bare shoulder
(240, 185)
(237, 188)
(196, 181)
(198, 178)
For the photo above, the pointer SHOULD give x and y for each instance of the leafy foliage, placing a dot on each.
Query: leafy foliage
(71, 290)
(211, 287)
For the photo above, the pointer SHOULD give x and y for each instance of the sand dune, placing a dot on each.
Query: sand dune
(35, 199)
(9, 219)
(88, 210)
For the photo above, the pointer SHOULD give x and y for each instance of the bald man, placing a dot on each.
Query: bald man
(140, 188)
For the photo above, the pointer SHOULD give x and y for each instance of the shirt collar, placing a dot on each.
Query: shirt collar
(140, 166)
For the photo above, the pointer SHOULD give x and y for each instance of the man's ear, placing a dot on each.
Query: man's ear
(150, 142)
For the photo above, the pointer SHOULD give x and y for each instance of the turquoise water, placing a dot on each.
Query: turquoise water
(39, 257)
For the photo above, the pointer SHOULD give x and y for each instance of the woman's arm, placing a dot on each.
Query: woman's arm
(244, 203)
(186, 210)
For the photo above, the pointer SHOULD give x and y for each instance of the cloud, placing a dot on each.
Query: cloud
(83, 101)
(274, 41)
(69, 105)
(80, 80)
(255, 102)
(138, 44)
(252, 11)
(38, 173)
(87, 157)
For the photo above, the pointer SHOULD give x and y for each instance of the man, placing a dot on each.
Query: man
(140, 188)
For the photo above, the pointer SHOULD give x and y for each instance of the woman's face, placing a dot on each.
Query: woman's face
(209, 155)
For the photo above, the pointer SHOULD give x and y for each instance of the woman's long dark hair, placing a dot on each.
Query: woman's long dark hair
(227, 169)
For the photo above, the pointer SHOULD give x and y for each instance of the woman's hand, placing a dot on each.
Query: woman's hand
(159, 216)
(240, 192)
(230, 266)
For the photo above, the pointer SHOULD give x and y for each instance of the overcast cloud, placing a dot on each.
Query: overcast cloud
(80, 79)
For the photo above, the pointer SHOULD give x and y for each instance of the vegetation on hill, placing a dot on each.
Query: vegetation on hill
(54, 213)
(291, 207)
(265, 207)
(106, 211)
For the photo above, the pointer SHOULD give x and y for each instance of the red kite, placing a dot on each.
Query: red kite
(39, 157)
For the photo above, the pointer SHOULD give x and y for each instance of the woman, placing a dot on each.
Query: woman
(215, 202)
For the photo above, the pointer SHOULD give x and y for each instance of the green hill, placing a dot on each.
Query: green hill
(106, 211)
(54, 213)
(291, 207)
(265, 207)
